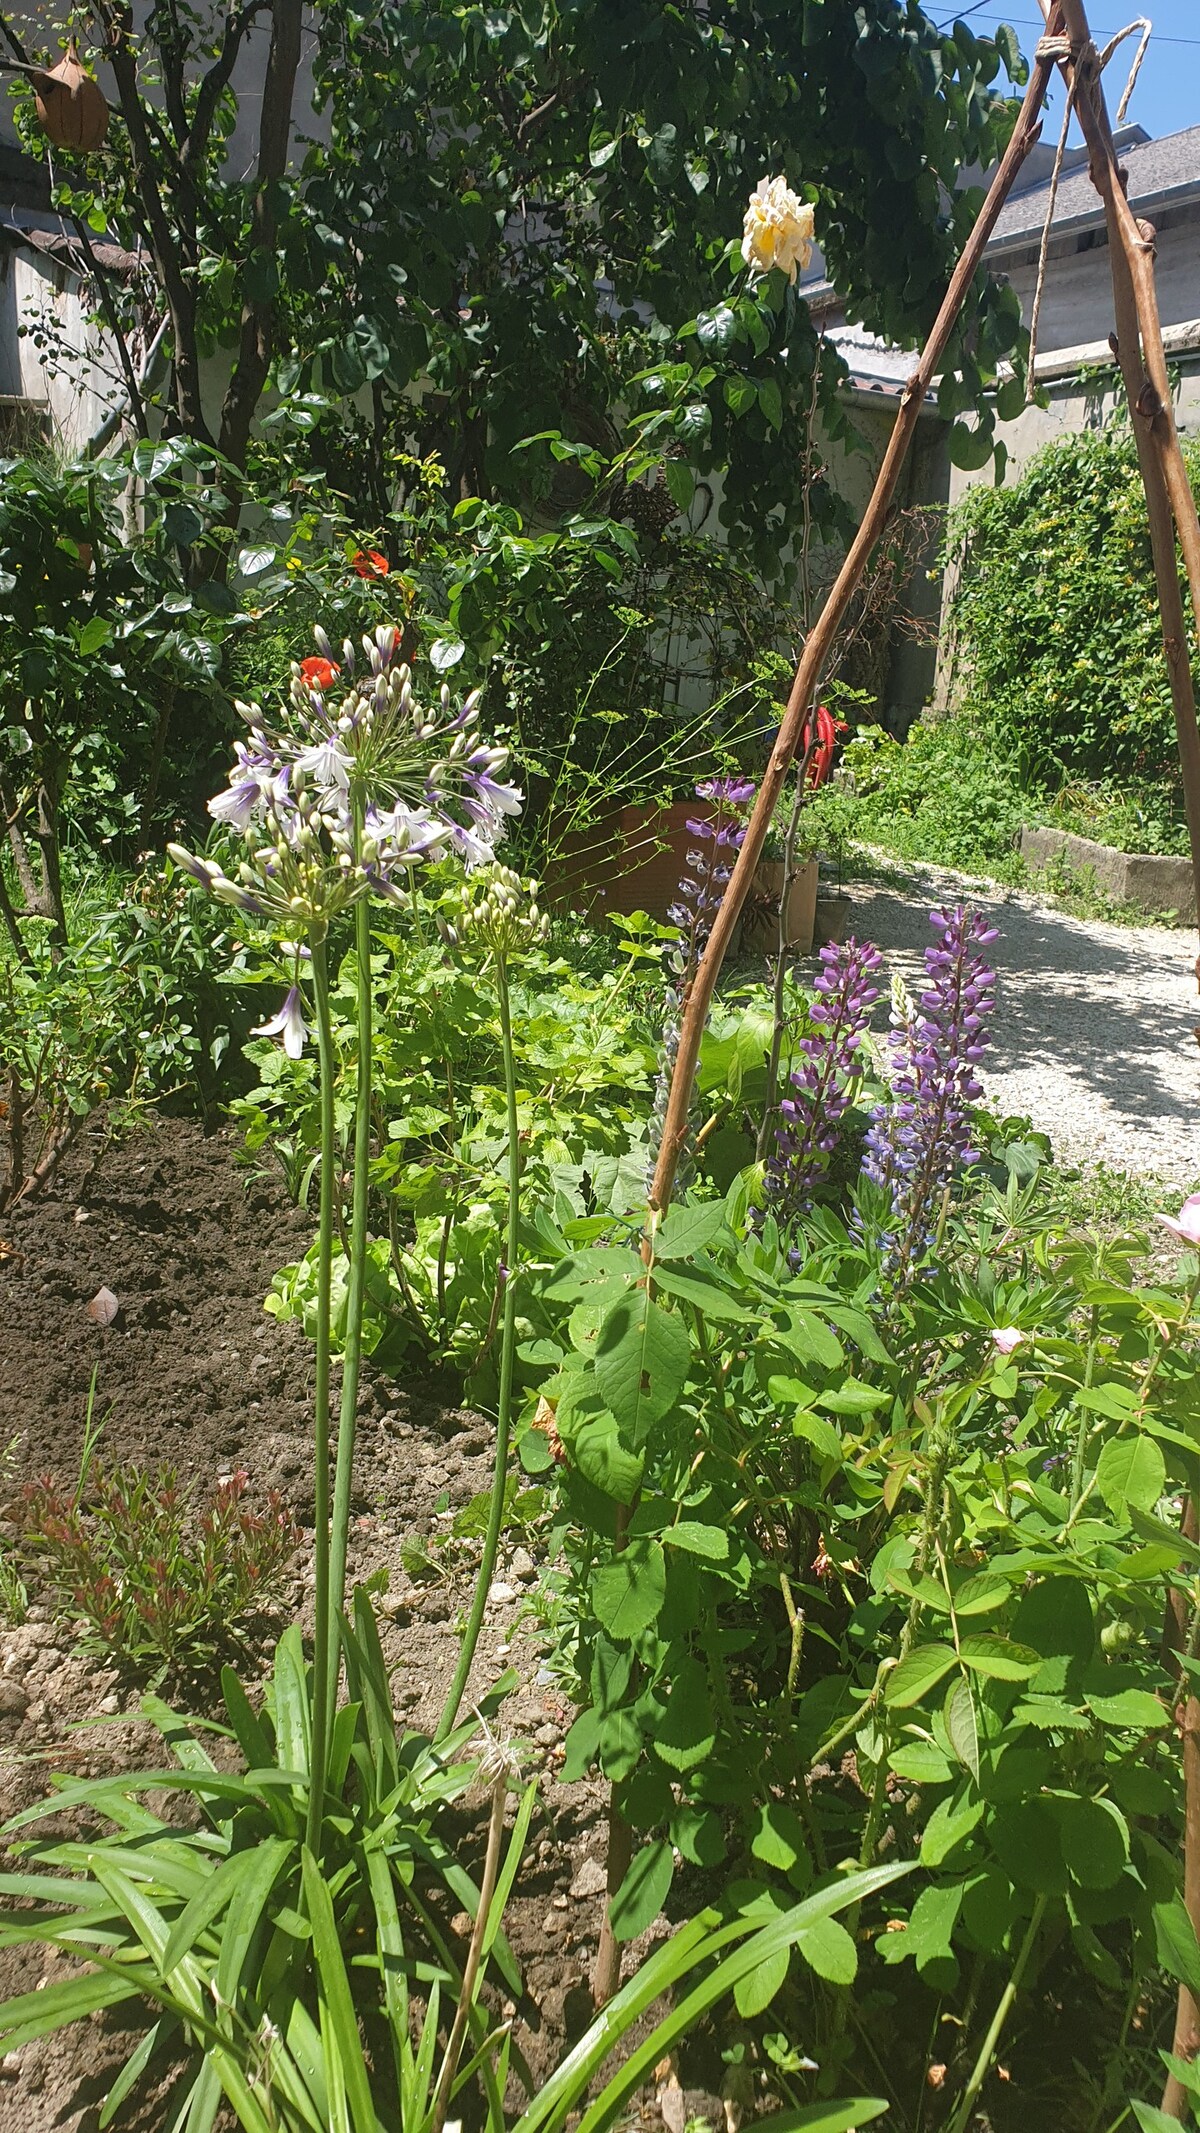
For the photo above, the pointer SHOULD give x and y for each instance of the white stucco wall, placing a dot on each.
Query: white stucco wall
(75, 390)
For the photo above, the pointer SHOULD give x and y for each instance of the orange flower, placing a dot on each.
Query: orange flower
(368, 563)
(319, 673)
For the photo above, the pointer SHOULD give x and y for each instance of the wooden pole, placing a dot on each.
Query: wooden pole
(824, 630)
(1171, 509)
(1170, 505)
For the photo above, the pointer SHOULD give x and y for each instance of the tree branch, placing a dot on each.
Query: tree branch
(258, 313)
(181, 300)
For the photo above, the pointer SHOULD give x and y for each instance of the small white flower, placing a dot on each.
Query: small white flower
(778, 229)
(288, 1024)
(1006, 1338)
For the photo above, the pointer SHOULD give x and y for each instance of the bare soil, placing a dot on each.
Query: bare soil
(192, 1371)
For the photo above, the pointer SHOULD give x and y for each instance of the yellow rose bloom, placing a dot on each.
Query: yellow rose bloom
(778, 229)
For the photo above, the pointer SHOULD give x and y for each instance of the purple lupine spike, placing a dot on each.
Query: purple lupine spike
(919, 1140)
(707, 868)
(810, 1116)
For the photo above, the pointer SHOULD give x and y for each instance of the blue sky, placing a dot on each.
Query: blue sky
(1167, 96)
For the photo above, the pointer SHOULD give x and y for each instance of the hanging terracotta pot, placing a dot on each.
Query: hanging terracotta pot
(70, 104)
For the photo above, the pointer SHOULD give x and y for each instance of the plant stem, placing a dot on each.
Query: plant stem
(487, 1890)
(508, 1343)
(324, 1633)
(355, 1292)
(966, 2102)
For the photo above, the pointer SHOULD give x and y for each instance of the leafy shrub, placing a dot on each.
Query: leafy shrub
(944, 795)
(131, 1010)
(1057, 631)
(159, 1581)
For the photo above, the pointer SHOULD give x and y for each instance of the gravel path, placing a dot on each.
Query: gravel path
(1093, 1033)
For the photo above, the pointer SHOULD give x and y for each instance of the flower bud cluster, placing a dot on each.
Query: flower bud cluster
(810, 1116)
(499, 911)
(919, 1140)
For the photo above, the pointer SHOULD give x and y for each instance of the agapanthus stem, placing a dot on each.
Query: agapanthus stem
(323, 1641)
(355, 1293)
(508, 1348)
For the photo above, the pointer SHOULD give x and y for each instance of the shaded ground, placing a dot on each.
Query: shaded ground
(1093, 1037)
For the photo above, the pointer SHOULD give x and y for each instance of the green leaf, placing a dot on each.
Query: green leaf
(252, 562)
(980, 1595)
(830, 2117)
(686, 1736)
(643, 1892)
(445, 652)
(923, 1668)
(642, 1361)
(1178, 1948)
(962, 1726)
(779, 1838)
(852, 1397)
(681, 482)
(950, 1823)
(93, 634)
(999, 1659)
(628, 1593)
(828, 1949)
(1094, 1840)
(1152, 2120)
(1131, 1473)
(345, 2066)
(595, 1445)
(711, 1542)
(1135, 1708)
(686, 1230)
(698, 1287)
(756, 1991)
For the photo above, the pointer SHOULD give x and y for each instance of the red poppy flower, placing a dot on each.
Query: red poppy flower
(821, 760)
(368, 563)
(319, 673)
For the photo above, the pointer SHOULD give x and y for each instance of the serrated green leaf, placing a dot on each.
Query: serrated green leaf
(628, 1593)
(999, 1659)
(711, 1542)
(828, 1949)
(963, 1727)
(919, 1672)
(1131, 1472)
(642, 1359)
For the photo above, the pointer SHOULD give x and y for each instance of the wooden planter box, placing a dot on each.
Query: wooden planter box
(631, 859)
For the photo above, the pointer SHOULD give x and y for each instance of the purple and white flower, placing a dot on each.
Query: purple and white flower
(288, 1025)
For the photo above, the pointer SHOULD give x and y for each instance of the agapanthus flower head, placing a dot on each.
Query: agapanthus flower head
(821, 1087)
(777, 230)
(341, 794)
(499, 911)
(920, 1139)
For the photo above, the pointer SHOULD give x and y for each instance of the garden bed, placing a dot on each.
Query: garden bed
(1151, 882)
(194, 1372)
